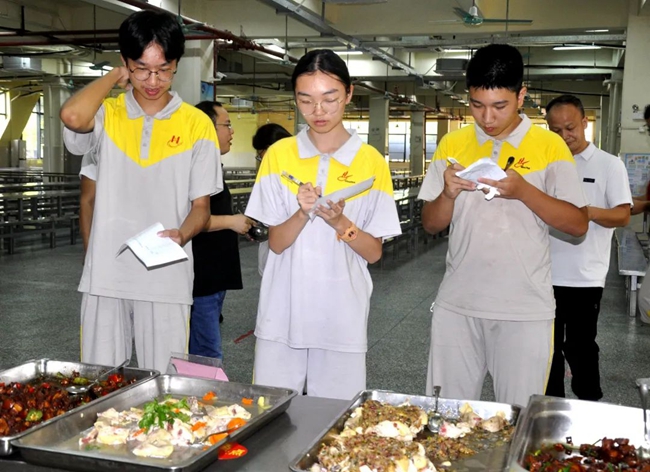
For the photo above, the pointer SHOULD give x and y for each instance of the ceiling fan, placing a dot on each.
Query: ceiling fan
(473, 17)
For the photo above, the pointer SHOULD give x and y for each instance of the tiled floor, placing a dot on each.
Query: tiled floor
(39, 317)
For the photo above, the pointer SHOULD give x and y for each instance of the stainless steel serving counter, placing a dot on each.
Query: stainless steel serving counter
(269, 450)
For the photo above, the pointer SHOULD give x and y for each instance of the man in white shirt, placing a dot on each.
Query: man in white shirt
(579, 265)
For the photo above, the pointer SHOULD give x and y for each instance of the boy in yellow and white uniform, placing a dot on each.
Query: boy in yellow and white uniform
(156, 160)
(494, 309)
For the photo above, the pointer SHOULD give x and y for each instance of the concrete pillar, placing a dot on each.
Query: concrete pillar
(443, 128)
(187, 81)
(635, 85)
(378, 124)
(614, 112)
(417, 142)
(55, 93)
(599, 129)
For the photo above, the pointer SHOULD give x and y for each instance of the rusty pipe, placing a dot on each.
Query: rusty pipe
(58, 33)
(83, 41)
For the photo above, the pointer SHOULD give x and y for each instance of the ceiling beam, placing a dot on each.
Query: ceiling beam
(473, 41)
(311, 19)
(114, 5)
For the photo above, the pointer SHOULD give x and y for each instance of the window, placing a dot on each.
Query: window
(431, 139)
(399, 141)
(360, 126)
(33, 134)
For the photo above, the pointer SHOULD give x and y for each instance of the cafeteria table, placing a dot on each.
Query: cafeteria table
(270, 449)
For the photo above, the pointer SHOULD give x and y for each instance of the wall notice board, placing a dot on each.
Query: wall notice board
(638, 171)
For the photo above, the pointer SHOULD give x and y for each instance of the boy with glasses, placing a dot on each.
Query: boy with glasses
(157, 160)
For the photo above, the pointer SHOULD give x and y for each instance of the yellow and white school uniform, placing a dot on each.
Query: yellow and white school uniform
(148, 169)
(315, 296)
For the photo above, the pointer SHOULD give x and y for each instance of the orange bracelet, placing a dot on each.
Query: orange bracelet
(349, 234)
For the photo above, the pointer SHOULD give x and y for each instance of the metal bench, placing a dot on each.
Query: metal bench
(631, 264)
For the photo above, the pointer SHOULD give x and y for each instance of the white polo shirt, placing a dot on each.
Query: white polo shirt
(89, 166)
(583, 262)
(498, 260)
(316, 294)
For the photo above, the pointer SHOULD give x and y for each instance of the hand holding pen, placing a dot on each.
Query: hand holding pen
(307, 193)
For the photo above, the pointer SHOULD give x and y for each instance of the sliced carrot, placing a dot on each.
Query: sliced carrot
(215, 438)
(198, 425)
(236, 423)
(247, 401)
(140, 431)
(209, 396)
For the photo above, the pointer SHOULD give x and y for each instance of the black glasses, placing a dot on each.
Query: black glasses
(142, 74)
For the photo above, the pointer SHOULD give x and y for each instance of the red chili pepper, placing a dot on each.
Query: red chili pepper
(45, 385)
(31, 389)
(114, 378)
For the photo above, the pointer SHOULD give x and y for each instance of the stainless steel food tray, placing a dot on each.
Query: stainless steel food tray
(490, 460)
(33, 369)
(549, 420)
(58, 442)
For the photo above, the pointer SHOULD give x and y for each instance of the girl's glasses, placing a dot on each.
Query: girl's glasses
(308, 107)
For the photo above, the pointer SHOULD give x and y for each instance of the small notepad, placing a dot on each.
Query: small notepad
(344, 194)
(483, 168)
(152, 250)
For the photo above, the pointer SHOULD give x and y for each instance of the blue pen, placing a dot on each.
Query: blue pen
(287, 175)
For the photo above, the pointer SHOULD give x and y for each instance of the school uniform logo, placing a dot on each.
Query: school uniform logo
(345, 177)
(522, 164)
(175, 141)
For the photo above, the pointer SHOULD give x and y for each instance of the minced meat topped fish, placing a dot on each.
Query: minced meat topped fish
(370, 453)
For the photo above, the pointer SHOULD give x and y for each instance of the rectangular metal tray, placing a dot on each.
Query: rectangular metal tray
(58, 442)
(491, 460)
(548, 420)
(33, 369)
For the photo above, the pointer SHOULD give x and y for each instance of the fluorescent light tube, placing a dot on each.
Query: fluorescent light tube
(575, 48)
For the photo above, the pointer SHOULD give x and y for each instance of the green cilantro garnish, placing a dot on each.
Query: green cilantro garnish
(165, 412)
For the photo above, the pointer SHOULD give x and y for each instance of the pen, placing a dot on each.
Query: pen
(511, 159)
(287, 175)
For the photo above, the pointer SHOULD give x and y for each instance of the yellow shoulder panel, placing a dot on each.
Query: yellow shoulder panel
(168, 138)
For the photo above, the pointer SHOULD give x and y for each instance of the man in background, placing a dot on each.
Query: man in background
(579, 265)
(216, 252)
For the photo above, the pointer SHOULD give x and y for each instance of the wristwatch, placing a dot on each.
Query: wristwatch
(349, 234)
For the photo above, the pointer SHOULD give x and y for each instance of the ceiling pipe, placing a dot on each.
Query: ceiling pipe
(58, 33)
(89, 42)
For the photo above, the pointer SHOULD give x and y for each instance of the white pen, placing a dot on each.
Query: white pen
(287, 175)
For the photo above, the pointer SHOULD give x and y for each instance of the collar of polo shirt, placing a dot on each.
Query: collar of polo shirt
(134, 110)
(588, 152)
(345, 154)
(514, 139)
